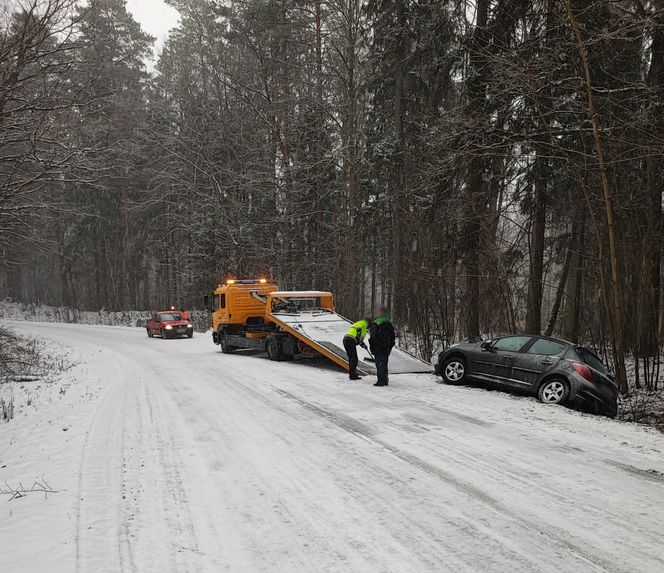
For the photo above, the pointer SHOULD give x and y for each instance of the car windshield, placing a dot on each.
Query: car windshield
(591, 360)
(166, 316)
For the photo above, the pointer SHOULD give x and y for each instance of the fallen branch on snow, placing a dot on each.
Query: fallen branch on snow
(20, 491)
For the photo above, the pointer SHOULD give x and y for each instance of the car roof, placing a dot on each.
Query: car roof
(539, 336)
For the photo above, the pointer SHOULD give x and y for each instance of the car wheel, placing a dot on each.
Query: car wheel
(163, 334)
(190, 335)
(553, 391)
(454, 370)
(150, 334)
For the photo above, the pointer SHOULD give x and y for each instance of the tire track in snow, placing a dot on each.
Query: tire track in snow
(399, 525)
(553, 534)
(247, 388)
(182, 532)
(98, 534)
(129, 484)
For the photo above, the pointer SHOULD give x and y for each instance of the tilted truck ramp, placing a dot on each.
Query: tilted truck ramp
(325, 330)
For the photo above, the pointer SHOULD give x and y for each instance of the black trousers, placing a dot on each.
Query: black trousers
(381, 366)
(351, 350)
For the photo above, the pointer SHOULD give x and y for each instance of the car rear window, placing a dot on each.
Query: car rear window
(591, 360)
(547, 347)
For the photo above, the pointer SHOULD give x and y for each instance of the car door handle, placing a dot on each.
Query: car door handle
(547, 361)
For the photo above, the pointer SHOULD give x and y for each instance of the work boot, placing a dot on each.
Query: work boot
(380, 384)
(355, 377)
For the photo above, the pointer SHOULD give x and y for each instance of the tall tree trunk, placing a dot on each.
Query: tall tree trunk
(349, 281)
(537, 231)
(476, 192)
(654, 174)
(616, 282)
(289, 223)
(400, 208)
(317, 240)
(572, 312)
(560, 292)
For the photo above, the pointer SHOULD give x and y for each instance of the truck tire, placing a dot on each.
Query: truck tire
(289, 347)
(274, 349)
(223, 344)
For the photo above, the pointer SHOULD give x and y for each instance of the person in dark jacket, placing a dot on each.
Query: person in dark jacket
(352, 339)
(381, 342)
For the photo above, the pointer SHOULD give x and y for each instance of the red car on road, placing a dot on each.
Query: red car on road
(170, 324)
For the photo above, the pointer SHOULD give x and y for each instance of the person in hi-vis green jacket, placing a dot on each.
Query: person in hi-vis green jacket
(352, 339)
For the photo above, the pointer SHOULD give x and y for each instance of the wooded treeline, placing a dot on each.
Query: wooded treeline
(481, 166)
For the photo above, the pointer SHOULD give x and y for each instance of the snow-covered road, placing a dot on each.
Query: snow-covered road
(170, 456)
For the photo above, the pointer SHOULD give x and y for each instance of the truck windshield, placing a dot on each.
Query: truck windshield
(166, 316)
(288, 304)
(306, 303)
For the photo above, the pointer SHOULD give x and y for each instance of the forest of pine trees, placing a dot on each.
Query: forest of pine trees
(481, 166)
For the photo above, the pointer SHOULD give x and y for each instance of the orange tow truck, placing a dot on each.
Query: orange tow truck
(255, 314)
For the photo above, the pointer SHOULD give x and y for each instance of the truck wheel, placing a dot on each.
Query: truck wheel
(223, 343)
(289, 347)
(273, 349)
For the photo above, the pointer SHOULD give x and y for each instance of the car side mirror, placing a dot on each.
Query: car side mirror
(486, 345)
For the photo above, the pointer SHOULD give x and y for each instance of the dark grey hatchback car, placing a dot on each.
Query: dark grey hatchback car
(556, 371)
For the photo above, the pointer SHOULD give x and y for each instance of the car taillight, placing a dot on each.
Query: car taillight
(583, 370)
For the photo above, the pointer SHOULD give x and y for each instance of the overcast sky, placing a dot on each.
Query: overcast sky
(155, 17)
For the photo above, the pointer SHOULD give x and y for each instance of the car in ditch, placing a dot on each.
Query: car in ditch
(556, 371)
(170, 324)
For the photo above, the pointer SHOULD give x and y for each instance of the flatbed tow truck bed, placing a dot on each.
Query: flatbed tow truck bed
(325, 330)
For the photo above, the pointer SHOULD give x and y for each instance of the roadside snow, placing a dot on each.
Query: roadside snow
(18, 311)
(167, 455)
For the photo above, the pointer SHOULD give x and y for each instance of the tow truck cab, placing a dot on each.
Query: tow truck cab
(238, 306)
(242, 316)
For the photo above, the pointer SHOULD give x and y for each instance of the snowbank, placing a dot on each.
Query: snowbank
(11, 310)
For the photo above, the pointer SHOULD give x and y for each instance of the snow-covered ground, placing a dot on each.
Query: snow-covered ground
(167, 455)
